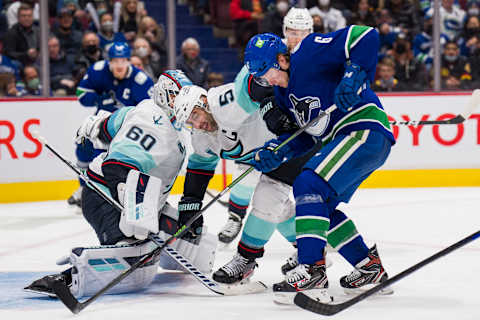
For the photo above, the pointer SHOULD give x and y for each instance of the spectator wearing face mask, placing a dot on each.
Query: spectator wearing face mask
(386, 77)
(333, 19)
(194, 67)
(89, 54)
(155, 35)
(30, 85)
(404, 15)
(318, 25)
(410, 72)
(456, 70)
(273, 21)
(363, 14)
(150, 60)
(470, 36)
(106, 33)
(70, 39)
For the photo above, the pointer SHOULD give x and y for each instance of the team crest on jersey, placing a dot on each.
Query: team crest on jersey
(303, 110)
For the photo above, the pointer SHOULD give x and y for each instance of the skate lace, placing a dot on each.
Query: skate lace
(236, 265)
(354, 275)
(297, 274)
(231, 227)
(293, 260)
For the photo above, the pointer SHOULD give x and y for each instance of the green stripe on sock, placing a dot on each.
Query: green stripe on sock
(312, 226)
(344, 149)
(342, 234)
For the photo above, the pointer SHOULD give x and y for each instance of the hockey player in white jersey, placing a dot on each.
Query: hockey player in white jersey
(144, 154)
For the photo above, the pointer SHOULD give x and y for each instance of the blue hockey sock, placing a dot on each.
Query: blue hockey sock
(312, 215)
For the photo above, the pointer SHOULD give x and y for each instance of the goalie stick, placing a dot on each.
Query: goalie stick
(473, 103)
(305, 302)
(76, 306)
(180, 259)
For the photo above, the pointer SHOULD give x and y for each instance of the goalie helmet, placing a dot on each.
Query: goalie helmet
(298, 19)
(187, 99)
(167, 88)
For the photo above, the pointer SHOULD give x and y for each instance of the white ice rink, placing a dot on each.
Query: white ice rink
(408, 225)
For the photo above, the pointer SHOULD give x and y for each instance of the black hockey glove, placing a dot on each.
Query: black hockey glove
(276, 120)
(187, 207)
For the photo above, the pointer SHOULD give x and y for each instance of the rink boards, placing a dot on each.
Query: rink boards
(424, 156)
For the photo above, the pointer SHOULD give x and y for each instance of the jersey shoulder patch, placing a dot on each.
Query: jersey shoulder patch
(140, 78)
(99, 65)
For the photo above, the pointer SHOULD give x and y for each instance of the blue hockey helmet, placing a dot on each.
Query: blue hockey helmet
(261, 53)
(119, 50)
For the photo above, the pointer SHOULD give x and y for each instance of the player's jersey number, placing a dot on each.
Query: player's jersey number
(146, 141)
(226, 98)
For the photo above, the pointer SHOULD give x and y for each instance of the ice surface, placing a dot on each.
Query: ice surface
(408, 225)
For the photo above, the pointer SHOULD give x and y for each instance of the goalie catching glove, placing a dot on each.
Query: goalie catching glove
(90, 129)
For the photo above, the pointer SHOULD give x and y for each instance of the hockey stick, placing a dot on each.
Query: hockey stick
(305, 302)
(181, 260)
(76, 306)
(473, 103)
(211, 195)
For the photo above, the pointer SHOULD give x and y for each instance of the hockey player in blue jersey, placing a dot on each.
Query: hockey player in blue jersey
(326, 69)
(109, 85)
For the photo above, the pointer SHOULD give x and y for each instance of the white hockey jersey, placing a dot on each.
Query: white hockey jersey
(240, 130)
(144, 138)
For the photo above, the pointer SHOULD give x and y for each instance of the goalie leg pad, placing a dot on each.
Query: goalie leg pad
(201, 253)
(94, 267)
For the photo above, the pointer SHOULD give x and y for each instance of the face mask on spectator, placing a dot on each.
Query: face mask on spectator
(91, 49)
(400, 48)
(101, 11)
(387, 83)
(142, 52)
(451, 58)
(473, 11)
(33, 83)
(362, 13)
(107, 26)
(282, 6)
(324, 3)
(318, 28)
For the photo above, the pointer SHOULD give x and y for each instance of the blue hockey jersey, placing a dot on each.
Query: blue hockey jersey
(99, 84)
(317, 67)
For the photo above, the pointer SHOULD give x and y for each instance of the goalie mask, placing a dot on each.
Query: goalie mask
(167, 88)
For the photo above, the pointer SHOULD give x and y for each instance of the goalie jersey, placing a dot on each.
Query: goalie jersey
(316, 68)
(141, 138)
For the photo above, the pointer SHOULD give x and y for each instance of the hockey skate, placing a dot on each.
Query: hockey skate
(76, 198)
(231, 230)
(292, 262)
(44, 285)
(235, 276)
(309, 278)
(367, 274)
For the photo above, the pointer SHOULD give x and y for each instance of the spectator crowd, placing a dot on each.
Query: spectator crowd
(81, 31)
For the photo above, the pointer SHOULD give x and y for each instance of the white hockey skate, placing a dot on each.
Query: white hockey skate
(231, 229)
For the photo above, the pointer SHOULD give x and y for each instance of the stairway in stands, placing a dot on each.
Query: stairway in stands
(222, 59)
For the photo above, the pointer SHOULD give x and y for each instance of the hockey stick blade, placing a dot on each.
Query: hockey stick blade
(305, 302)
(473, 103)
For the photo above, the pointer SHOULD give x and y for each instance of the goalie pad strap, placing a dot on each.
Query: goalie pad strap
(196, 182)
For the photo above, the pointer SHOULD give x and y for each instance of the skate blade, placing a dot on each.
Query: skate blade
(243, 287)
(384, 292)
(286, 298)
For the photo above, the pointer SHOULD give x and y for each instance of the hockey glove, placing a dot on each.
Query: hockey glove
(90, 130)
(353, 82)
(276, 120)
(187, 208)
(106, 102)
(264, 159)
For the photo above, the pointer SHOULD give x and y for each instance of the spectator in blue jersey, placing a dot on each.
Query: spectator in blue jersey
(330, 73)
(109, 85)
(7, 66)
(106, 34)
(470, 36)
(192, 64)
